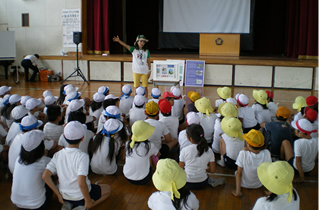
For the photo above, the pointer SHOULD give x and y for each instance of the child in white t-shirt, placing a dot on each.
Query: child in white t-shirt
(179, 105)
(52, 130)
(88, 136)
(126, 100)
(246, 114)
(137, 112)
(197, 159)
(14, 100)
(96, 108)
(248, 160)
(170, 121)
(71, 165)
(305, 148)
(261, 106)
(137, 168)
(170, 180)
(156, 93)
(231, 142)
(223, 93)
(105, 148)
(207, 117)
(110, 111)
(28, 189)
(271, 105)
(191, 118)
(225, 109)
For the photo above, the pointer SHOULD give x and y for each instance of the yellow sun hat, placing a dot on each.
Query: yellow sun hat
(232, 127)
(169, 177)
(277, 177)
(224, 92)
(193, 96)
(299, 103)
(141, 131)
(203, 105)
(228, 109)
(260, 96)
(254, 138)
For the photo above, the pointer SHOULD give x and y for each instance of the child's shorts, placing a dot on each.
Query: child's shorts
(95, 194)
(137, 79)
(230, 163)
(197, 185)
(143, 181)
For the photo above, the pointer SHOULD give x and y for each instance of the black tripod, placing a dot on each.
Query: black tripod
(77, 70)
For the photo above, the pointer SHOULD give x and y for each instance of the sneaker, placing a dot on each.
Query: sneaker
(66, 206)
(79, 208)
(221, 163)
(216, 182)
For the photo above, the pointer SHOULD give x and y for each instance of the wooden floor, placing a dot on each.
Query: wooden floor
(127, 196)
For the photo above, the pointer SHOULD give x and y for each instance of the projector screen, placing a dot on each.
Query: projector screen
(206, 16)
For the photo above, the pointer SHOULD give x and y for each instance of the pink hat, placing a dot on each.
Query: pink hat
(270, 94)
(311, 114)
(168, 94)
(303, 125)
(242, 99)
(165, 106)
(311, 100)
(32, 139)
(192, 118)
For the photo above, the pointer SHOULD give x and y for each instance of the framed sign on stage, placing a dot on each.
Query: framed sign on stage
(165, 71)
(194, 75)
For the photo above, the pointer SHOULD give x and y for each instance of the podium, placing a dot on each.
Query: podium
(219, 44)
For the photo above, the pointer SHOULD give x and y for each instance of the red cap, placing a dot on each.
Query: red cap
(165, 106)
(311, 114)
(311, 100)
(270, 94)
(168, 94)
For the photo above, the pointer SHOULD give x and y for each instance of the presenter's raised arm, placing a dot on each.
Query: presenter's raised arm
(117, 39)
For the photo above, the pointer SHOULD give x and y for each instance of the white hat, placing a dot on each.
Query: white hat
(156, 93)
(4, 89)
(126, 89)
(32, 139)
(29, 122)
(32, 103)
(46, 93)
(24, 99)
(110, 96)
(70, 88)
(140, 90)
(112, 126)
(103, 90)
(242, 99)
(98, 97)
(18, 112)
(42, 105)
(112, 111)
(74, 130)
(73, 95)
(172, 88)
(15, 98)
(49, 100)
(231, 100)
(76, 104)
(5, 99)
(139, 100)
(192, 118)
(303, 125)
(176, 92)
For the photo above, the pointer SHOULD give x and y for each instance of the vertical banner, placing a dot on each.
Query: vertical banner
(71, 21)
(181, 67)
(195, 71)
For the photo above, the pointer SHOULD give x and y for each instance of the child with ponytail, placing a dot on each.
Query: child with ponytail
(106, 147)
(195, 159)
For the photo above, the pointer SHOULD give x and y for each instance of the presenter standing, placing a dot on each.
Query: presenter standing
(141, 64)
(30, 61)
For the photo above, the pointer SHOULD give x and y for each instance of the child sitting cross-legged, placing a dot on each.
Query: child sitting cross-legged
(248, 160)
(72, 167)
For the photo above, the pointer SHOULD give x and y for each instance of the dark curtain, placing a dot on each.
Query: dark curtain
(98, 26)
(302, 29)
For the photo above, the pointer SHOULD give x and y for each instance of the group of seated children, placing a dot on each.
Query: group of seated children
(67, 135)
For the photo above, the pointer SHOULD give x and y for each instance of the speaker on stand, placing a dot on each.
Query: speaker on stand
(77, 39)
